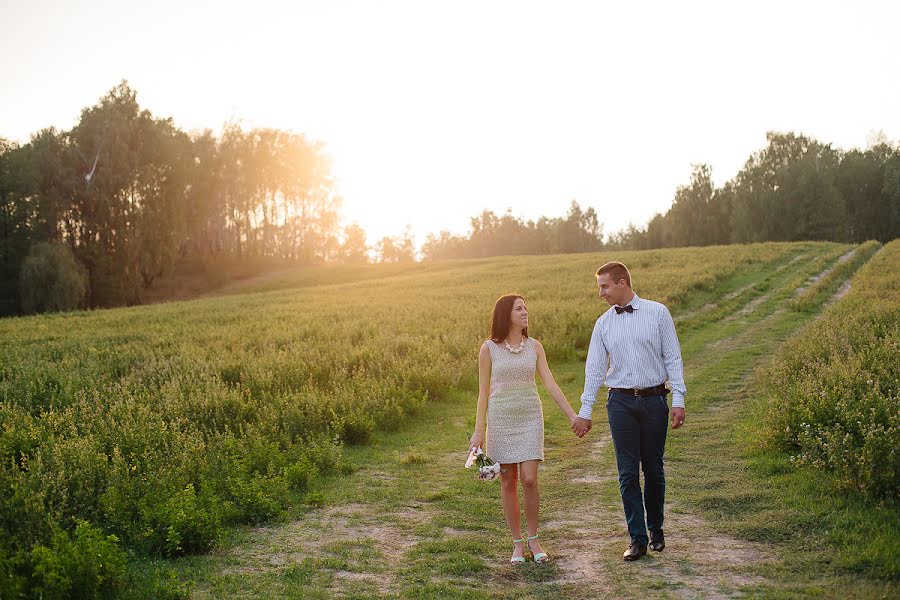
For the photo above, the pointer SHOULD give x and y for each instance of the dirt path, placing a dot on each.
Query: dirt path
(698, 561)
(583, 530)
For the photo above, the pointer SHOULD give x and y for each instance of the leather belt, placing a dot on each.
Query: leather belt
(657, 390)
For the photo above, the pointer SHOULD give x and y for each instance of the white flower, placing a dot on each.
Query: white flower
(471, 460)
(490, 471)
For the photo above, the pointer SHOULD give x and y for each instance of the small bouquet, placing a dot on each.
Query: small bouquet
(487, 469)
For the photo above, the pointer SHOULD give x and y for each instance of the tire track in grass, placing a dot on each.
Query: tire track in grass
(743, 294)
(819, 276)
(773, 304)
(709, 331)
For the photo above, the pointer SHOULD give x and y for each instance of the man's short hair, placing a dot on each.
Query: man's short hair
(616, 271)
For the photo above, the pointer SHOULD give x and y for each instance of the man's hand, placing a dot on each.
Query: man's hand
(581, 426)
(677, 417)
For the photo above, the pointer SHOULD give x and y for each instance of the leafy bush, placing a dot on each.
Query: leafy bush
(88, 565)
(185, 524)
(834, 389)
(301, 474)
(51, 279)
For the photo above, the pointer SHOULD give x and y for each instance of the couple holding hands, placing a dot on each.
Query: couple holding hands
(634, 351)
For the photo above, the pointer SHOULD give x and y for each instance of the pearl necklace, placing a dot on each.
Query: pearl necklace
(518, 348)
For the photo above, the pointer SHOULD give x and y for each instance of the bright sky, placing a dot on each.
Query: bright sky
(434, 111)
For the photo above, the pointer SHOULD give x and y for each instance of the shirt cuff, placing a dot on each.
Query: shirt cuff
(586, 410)
(677, 400)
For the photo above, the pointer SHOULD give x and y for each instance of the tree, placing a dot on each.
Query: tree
(890, 206)
(397, 249)
(864, 182)
(688, 217)
(204, 210)
(353, 248)
(444, 245)
(580, 231)
(18, 213)
(51, 279)
(814, 206)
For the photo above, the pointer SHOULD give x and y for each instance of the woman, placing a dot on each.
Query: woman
(508, 398)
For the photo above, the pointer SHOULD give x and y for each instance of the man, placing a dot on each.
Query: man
(634, 350)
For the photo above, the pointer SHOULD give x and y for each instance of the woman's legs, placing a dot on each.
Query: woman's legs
(509, 496)
(528, 473)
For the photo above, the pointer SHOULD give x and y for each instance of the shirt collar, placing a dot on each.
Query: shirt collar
(635, 302)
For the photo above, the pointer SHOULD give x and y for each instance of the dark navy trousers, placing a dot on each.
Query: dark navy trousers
(638, 425)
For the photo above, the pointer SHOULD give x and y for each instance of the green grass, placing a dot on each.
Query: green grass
(228, 392)
(459, 550)
(838, 375)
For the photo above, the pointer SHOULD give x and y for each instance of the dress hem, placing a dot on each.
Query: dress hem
(515, 462)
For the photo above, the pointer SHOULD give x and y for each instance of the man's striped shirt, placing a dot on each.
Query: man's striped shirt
(633, 350)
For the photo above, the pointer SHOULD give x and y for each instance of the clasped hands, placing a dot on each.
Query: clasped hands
(580, 426)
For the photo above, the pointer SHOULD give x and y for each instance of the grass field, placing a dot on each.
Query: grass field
(303, 437)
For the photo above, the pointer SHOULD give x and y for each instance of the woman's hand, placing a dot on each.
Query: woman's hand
(476, 441)
(580, 426)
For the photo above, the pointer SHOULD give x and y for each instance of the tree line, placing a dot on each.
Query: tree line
(492, 235)
(114, 203)
(796, 188)
(94, 216)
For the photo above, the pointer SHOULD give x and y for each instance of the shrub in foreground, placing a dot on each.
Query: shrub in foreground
(834, 389)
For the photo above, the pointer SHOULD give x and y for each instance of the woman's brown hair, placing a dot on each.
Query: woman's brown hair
(502, 319)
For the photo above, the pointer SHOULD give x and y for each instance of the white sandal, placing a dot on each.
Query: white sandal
(540, 557)
(518, 560)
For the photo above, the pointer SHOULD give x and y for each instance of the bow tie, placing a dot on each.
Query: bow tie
(621, 309)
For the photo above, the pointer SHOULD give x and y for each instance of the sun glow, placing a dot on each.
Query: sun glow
(432, 113)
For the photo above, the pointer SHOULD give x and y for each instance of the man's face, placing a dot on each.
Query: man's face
(612, 292)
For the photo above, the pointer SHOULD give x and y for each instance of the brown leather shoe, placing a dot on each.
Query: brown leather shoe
(635, 551)
(657, 540)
